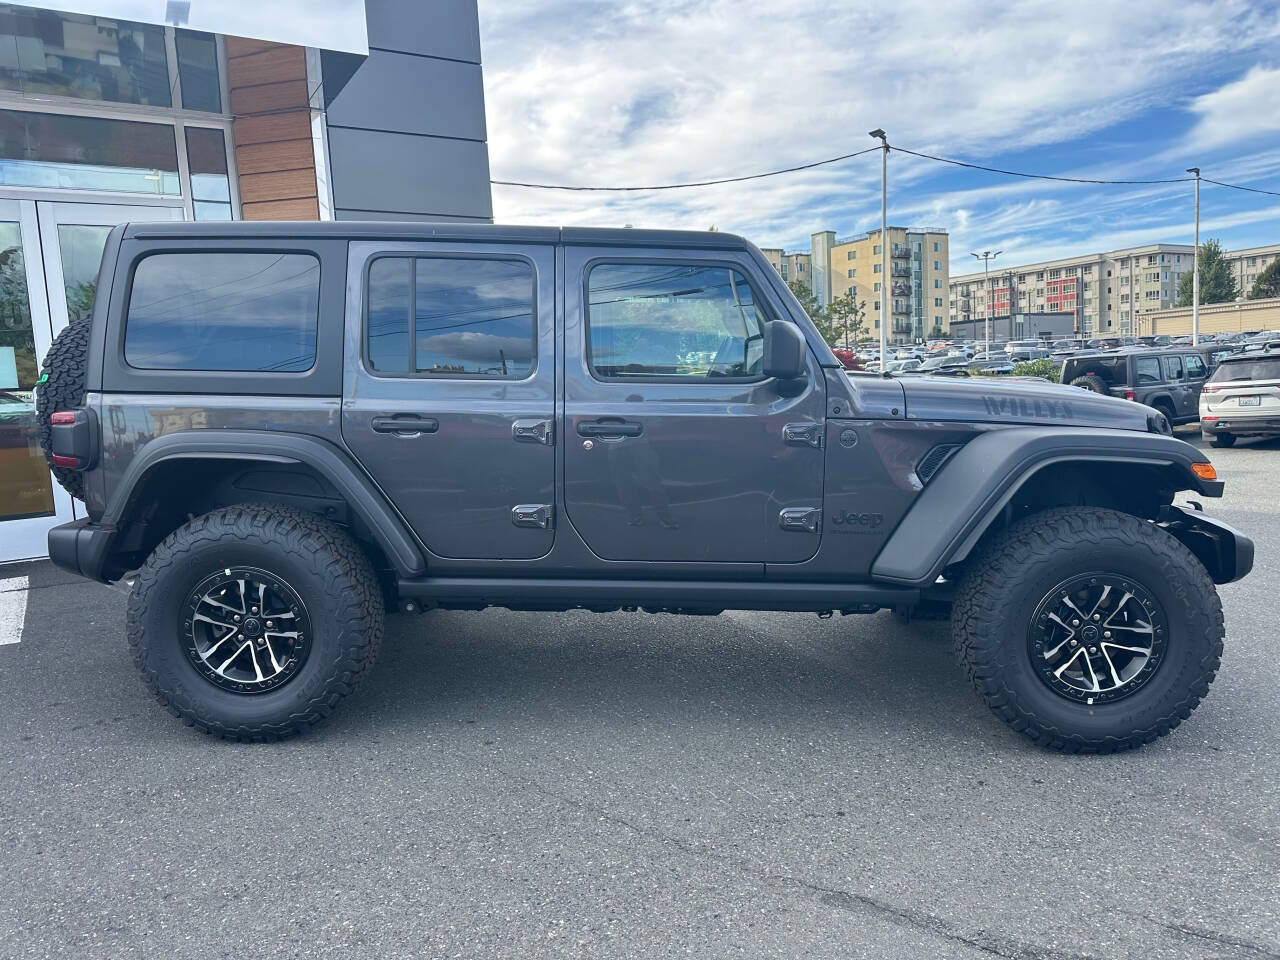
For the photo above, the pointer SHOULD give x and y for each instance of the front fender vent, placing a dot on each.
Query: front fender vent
(934, 459)
(1157, 422)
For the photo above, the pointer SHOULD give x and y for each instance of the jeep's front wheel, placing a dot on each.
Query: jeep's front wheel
(252, 622)
(1089, 630)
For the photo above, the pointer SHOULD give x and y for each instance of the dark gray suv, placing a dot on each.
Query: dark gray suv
(1167, 378)
(283, 432)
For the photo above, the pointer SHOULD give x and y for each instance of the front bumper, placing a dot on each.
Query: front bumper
(80, 547)
(1226, 552)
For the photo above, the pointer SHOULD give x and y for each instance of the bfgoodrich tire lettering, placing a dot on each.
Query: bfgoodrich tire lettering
(997, 600)
(332, 577)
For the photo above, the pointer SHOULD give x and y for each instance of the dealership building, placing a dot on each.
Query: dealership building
(106, 120)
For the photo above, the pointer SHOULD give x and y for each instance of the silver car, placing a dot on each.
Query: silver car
(1242, 398)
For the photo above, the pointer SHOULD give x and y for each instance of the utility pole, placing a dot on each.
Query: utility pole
(1195, 266)
(986, 256)
(884, 246)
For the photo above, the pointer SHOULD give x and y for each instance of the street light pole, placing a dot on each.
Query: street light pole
(1195, 266)
(884, 246)
(986, 256)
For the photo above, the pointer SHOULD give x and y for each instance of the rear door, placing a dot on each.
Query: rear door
(1175, 375)
(449, 390)
(676, 447)
(1197, 374)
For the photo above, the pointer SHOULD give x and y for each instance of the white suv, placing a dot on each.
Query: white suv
(1242, 398)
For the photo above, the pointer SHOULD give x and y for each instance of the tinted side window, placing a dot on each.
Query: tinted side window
(224, 311)
(1195, 367)
(1147, 369)
(665, 320)
(443, 317)
(1173, 368)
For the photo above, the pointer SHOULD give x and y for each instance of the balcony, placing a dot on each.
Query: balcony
(901, 289)
(900, 250)
(900, 270)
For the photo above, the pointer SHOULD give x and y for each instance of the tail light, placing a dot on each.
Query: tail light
(1211, 388)
(1130, 395)
(74, 439)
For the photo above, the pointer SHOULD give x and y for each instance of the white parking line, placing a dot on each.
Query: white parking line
(13, 609)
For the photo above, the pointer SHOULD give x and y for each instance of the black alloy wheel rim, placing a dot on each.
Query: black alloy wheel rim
(1097, 638)
(245, 630)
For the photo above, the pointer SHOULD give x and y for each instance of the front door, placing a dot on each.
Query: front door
(449, 391)
(49, 257)
(677, 448)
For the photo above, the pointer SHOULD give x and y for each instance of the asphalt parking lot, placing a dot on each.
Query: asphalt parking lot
(582, 785)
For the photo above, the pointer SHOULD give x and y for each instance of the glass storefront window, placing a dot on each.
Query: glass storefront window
(207, 162)
(45, 53)
(81, 246)
(87, 153)
(198, 70)
(25, 487)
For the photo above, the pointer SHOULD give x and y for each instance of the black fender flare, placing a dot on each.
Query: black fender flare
(332, 463)
(966, 496)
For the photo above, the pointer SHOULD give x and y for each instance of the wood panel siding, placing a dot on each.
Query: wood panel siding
(275, 162)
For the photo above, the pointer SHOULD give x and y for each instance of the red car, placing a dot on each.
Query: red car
(848, 358)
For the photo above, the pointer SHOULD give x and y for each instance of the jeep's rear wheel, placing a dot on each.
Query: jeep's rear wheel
(1089, 630)
(252, 622)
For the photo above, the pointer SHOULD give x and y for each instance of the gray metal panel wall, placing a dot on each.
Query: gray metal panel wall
(407, 137)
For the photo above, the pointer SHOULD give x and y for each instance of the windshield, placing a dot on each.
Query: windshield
(1264, 368)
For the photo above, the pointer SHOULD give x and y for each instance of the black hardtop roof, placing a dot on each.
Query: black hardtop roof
(1131, 351)
(425, 230)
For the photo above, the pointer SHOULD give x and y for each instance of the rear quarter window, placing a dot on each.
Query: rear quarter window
(226, 311)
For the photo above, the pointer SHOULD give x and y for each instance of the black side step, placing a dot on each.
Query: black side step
(545, 593)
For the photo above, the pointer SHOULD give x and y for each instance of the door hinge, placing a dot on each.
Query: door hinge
(533, 431)
(538, 515)
(800, 519)
(803, 434)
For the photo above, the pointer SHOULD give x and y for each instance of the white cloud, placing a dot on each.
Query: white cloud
(673, 90)
(1238, 112)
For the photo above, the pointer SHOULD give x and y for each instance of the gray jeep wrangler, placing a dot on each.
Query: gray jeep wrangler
(282, 432)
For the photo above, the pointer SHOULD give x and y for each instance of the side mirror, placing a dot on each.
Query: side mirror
(784, 349)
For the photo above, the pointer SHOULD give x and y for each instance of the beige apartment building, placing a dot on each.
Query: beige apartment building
(1111, 292)
(790, 266)
(917, 280)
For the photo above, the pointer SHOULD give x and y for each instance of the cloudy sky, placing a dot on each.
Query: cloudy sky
(673, 90)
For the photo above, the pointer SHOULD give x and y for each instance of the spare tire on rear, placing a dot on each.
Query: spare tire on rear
(61, 387)
(1090, 381)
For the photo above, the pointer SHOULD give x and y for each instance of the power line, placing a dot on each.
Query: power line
(1036, 176)
(1236, 186)
(683, 186)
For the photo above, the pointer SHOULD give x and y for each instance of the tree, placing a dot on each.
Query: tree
(846, 318)
(807, 300)
(1267, 283)
(1217, 283)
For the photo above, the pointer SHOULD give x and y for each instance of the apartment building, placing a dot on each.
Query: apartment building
(790, 266)
(1106, 292)
(917, 280)
(1248, 262)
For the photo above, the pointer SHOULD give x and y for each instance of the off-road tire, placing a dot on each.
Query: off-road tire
(326, 568)
(1222, 440)
(1090, 382)
(996, 600)
(61, 387)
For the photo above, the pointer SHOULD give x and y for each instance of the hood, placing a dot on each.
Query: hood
(1030, 400)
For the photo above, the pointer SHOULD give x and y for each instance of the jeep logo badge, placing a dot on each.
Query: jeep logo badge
(868, 520)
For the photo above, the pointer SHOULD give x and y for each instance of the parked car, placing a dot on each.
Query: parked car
(1242, 398)
(1166, 378)
(313, 444)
